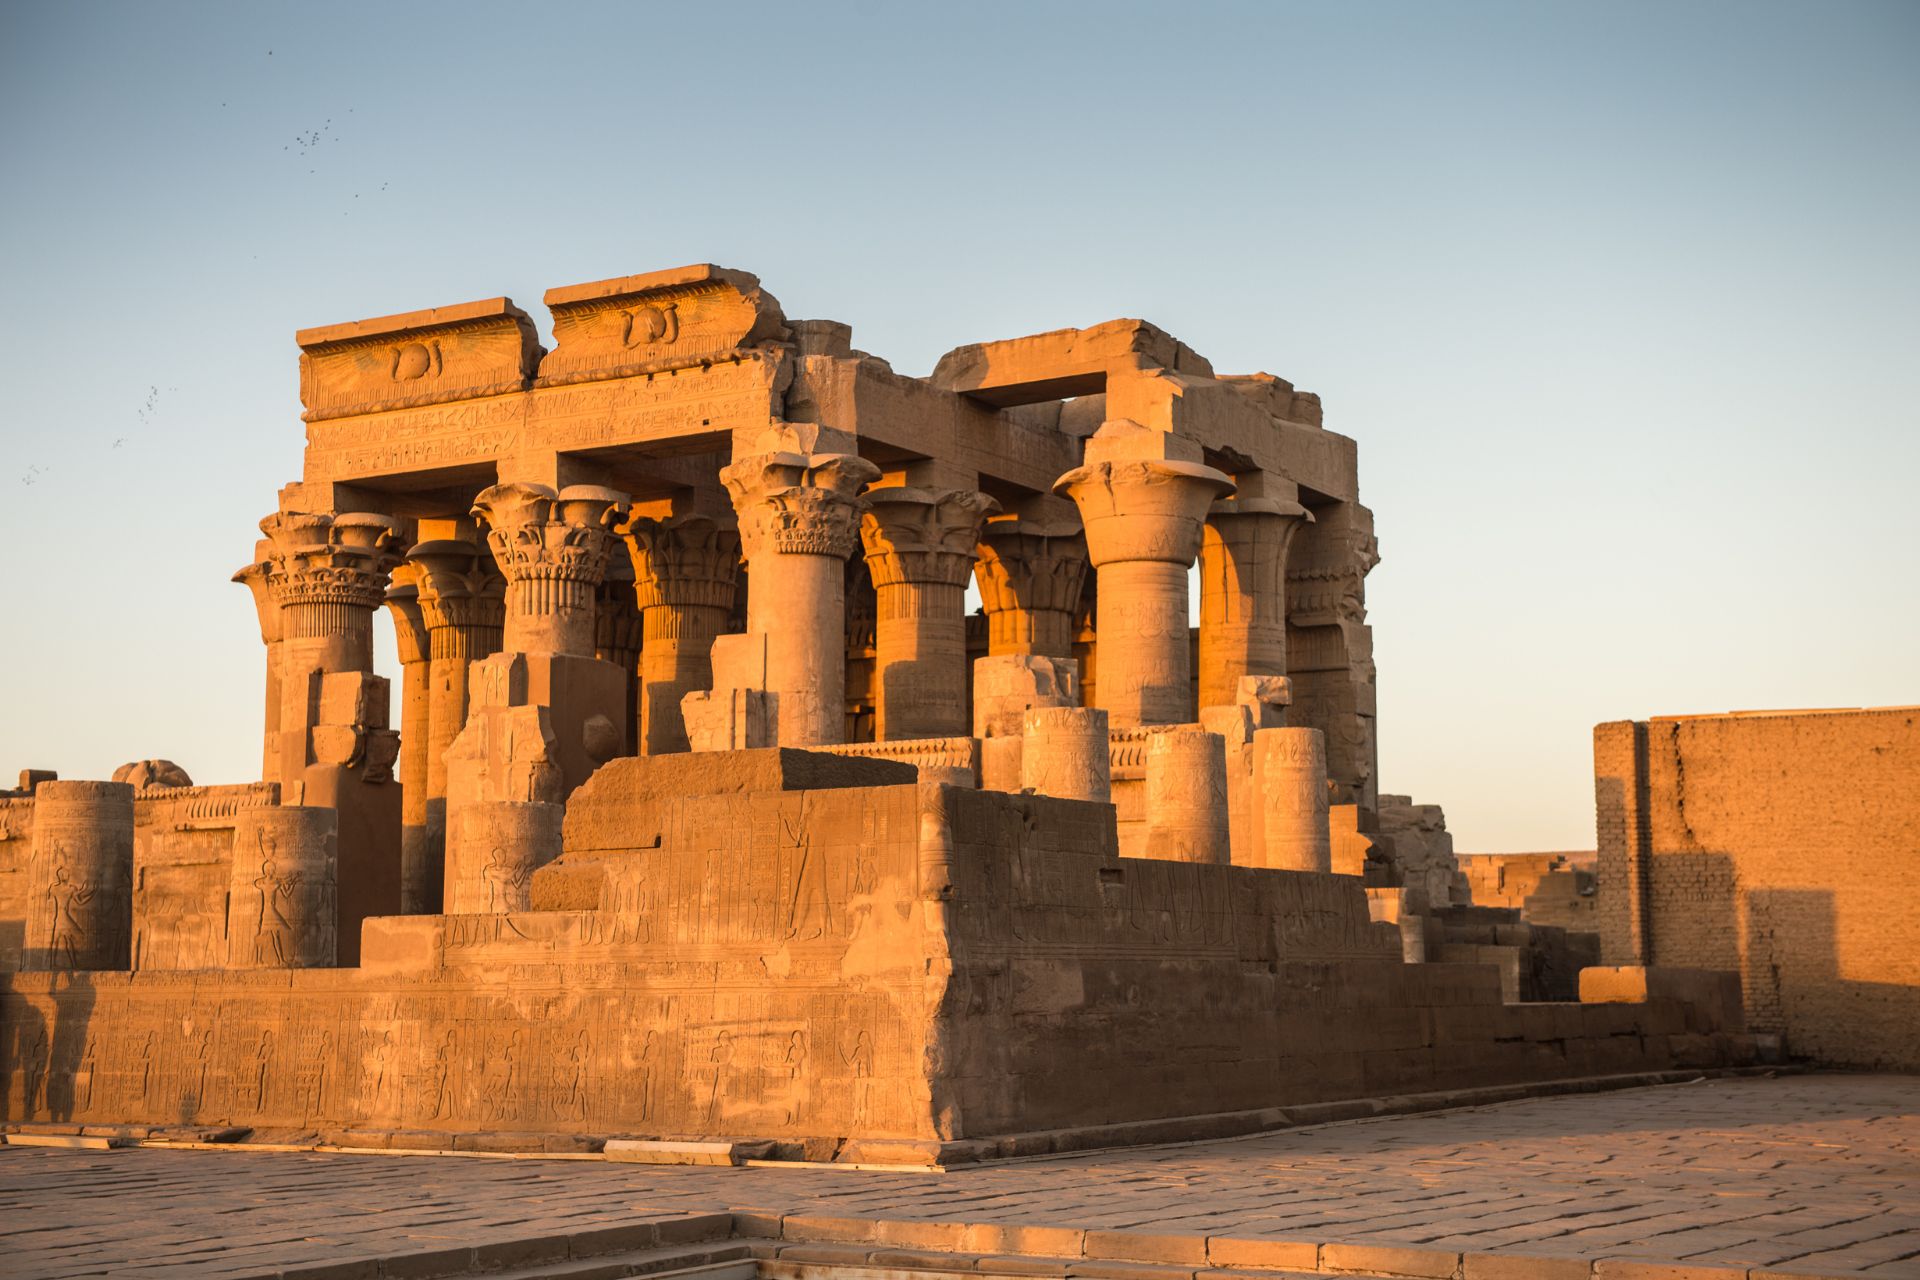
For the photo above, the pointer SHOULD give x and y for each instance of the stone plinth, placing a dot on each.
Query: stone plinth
(1143, 496)
(1187, 796)
(1243, 600)
(1063, 753)
(799, 521)
(80, 878)
(283, 889)
(1290, 797)
(1030, 575)
(685, 571)
(920, 550)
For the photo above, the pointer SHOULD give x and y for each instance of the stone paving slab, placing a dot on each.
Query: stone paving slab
(1801, 1175)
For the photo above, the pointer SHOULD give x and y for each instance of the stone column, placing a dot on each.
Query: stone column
(799, 521)
(1142, 497)
(1290, 796)
(462, 603)
(1243, 597)
(254, 578)
(1030, 577)
(327, 574)
(554, 547)
(920, 549)
(80, 878)
(1187, 796)
(1063, 753)
(416, 714)
(281, 892)
(685, 571)
(617, 637)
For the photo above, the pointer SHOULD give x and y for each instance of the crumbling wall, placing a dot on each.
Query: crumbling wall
(1785, 846)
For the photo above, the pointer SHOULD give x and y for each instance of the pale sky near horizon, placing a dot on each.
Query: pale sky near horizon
(1621, 301)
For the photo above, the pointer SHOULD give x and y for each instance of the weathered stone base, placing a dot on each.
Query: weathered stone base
(872, 972)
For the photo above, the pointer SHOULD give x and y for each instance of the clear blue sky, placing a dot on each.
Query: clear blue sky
(1622, 302)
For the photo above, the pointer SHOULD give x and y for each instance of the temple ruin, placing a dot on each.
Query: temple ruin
(705, 808)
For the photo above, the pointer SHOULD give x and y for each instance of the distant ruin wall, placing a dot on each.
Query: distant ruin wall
(1784, 846)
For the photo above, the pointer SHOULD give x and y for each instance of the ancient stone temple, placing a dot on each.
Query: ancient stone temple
(706, 808)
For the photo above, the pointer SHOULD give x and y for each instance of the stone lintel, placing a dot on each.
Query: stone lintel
(460, 352)
(661, 319)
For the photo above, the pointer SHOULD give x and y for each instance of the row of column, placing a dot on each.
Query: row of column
(1148, 506)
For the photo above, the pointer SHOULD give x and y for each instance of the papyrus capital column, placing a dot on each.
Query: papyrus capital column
(799, 521)
(1030, 577)
(462, 604)
(1143, 498)
(1243, 599)
(552, 547)
(686, 568)
(327, 574)
(416, 717)
(920, 546)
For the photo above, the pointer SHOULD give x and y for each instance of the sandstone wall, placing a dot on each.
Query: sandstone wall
(1555, 889)
(1784, 846)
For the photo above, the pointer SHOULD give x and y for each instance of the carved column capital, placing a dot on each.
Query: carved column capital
(553, 548)
(536, 532)
(1031, 576)
(1143, 508)
(409, 626)
(683, 560)
(923, 536)
(316, 563)
(459, 585)
(799, 503)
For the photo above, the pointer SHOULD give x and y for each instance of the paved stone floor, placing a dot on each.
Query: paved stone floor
(1822, 1172)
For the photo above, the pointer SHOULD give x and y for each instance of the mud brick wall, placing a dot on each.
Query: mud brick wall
(1783, 846)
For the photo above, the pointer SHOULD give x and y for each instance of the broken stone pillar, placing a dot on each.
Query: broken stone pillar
(685, 571)
(1260, 702)
(1143, 496)
(1330, 645)
(505, 785)
(416, 714)
(799, 521)
(80, 877)
(920, 549)
(1290, 795)
(1030, 575)
(737, 714)
(1005, 687)
(1187, 796)
(1243, 599)
(463, 605)
(553, 548)
(281, 911)
(1063, 753)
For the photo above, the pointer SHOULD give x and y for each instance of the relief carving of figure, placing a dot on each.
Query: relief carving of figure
(262, 1068)
(650, 324)
(147, 1051)
(89, 1063)
(274, 931)
(71, 936)
(504, 881)
(573, 1099)
(794, 1060)
(720, 1058)
(860, 1060)
(503, 1078)
(33, 1071)
(443, 1078)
